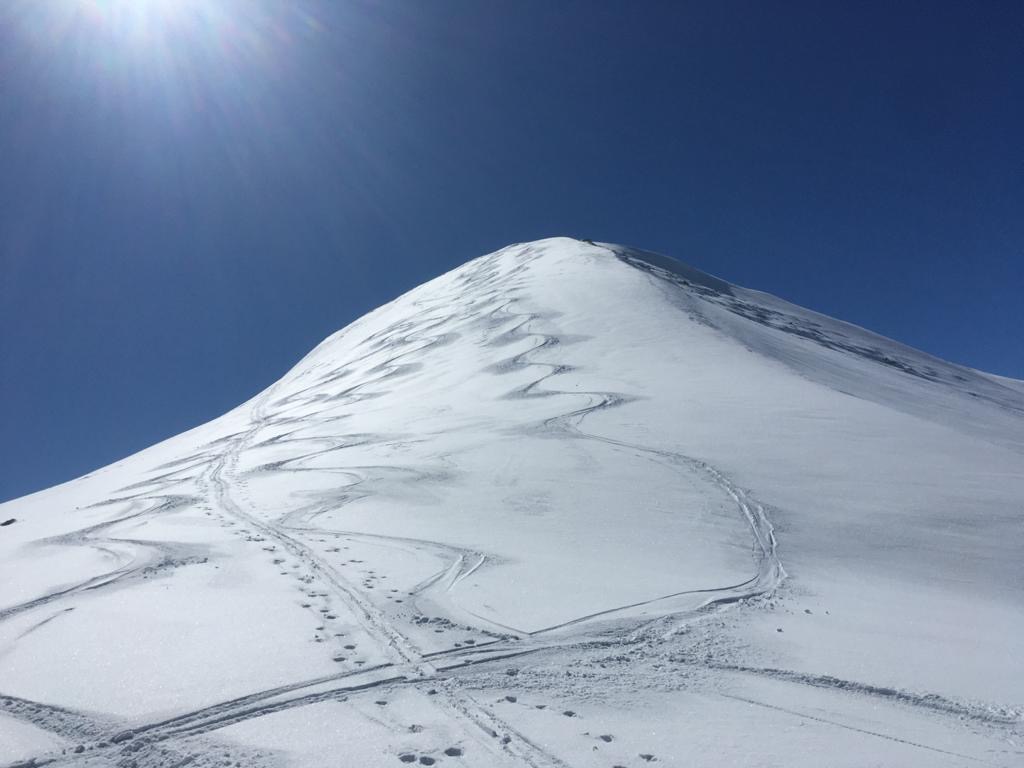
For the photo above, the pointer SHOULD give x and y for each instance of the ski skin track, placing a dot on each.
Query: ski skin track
(375, 625)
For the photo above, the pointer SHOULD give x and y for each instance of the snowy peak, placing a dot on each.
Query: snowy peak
(537, 512)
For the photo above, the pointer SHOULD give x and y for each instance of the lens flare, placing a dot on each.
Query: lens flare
(212, 72)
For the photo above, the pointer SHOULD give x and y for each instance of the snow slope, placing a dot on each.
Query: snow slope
(571, 504)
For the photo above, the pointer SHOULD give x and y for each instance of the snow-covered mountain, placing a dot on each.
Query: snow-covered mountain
(571, 504)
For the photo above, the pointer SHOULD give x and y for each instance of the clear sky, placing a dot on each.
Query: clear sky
(195, 192)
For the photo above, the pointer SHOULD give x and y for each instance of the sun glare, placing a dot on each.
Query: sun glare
(162, 35)
(159, 82)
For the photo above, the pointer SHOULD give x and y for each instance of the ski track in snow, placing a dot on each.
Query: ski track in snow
(435, 675)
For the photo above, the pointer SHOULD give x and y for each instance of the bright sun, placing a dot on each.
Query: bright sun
(162, 34)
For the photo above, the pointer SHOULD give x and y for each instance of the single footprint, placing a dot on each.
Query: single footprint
(453, 752)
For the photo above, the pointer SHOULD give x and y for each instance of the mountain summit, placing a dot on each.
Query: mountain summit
(570, 504)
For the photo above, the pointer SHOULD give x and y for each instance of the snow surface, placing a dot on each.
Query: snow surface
(571, 504)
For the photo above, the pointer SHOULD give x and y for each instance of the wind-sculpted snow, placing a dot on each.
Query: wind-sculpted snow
(567, 505)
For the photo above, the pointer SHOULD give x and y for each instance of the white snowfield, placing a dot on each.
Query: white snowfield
(571, 504)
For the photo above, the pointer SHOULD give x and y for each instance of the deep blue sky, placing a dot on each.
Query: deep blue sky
(194, 192)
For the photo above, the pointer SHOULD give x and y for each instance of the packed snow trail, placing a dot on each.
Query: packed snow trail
(389, 638)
